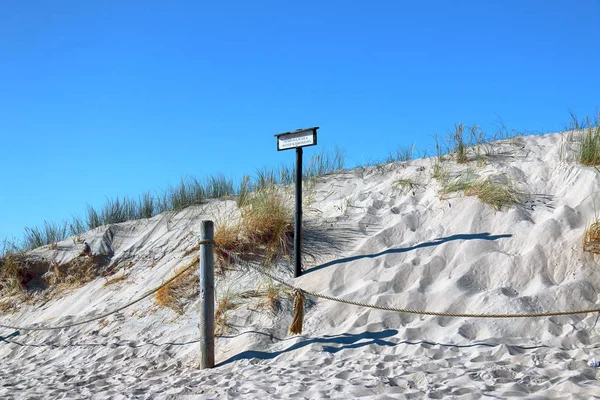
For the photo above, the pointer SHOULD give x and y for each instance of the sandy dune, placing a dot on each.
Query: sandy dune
(369, 238)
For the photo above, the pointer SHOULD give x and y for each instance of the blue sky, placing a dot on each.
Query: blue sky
(114, 98)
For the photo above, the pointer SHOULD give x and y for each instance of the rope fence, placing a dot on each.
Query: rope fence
(300, 294)
(147, 294)
(401, 310)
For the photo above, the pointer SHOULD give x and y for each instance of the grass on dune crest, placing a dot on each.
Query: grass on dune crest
(264, 231)
(189, 191)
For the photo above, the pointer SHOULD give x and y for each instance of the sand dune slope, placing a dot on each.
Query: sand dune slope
(385, 235)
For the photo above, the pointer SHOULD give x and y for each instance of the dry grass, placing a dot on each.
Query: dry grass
(268, 224)
(182, 290)
(224, 305)
(228, 237)
(591, 240)
(116, 279)
(265, 229)
(270, 297)
(15, 274)
(76, 272)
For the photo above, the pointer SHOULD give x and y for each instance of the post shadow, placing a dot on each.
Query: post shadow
(343, 341)
(435, 242)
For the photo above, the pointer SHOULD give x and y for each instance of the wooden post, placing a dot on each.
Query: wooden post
(207, 297)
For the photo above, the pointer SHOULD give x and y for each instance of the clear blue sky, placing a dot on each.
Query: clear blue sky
(114, 98)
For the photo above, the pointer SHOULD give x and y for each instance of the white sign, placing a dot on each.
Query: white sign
(296, 139)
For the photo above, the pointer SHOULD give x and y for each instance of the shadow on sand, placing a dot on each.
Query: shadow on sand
(331, 344)
(435, 242)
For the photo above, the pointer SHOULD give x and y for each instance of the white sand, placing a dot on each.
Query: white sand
(368, 241)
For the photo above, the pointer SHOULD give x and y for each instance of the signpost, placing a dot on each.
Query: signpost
(297, 140)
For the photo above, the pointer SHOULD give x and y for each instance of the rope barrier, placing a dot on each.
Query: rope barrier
(402, 310)
(301, 292)
(49, 328)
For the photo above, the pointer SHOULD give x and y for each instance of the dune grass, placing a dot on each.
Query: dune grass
(589, 147)
(490, 190)
(189, 191)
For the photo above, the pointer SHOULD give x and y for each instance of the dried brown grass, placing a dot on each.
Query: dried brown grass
(177, 293)
(224, 305)
(591, 240)
(116, 279)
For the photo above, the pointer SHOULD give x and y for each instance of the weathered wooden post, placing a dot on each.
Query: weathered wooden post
(207, 296)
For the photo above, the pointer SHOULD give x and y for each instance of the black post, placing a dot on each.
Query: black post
(298, 221)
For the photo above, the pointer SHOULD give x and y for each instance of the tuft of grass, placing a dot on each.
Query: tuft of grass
(591, 240)
(224, 305)
(325, 162)
(462, 182)
(77, 272)
(272, 297)
(183, 289)
(403, 154)
(243, 192)
(498, 195)
(406, 184)
(267, 223)
(589, 147)
(460, 147)
(48, 234)
(229, 237)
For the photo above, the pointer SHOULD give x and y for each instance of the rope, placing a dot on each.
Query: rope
(48, 328)
(403, 310)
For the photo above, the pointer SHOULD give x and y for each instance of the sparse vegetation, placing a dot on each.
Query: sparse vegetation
(460, 148)
(402, 154)
(406, 184)
(224, 305)
(177, 293)
(591, 240)
(583, 139)
(267, 223)
(189, 191)
(589, 147)
(490, 190)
